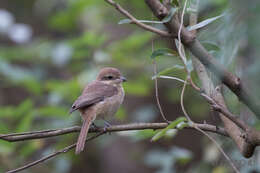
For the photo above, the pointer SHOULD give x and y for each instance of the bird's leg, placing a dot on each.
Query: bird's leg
(107, 125)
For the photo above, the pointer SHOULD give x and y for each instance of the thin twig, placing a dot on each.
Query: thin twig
(219, 108)
(179, 36)
(156, 88)
(156, 93)
(184, 61)
(182, 104)
(181, 50)
(219, 147)
(135, 21)
(169, 77)
(193, 84)
(48, 157)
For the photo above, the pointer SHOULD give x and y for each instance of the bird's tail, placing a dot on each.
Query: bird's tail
(83, 135)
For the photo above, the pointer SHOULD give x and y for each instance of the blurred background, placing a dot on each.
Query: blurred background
(50, 49)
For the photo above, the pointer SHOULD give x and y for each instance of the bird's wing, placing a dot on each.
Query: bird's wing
(94, 92)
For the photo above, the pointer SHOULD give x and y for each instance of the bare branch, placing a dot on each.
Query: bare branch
(135, 126)
(48, 157)
(38, 134)
(14, 137)
(217, 107)
(135, 21)
(182, 104)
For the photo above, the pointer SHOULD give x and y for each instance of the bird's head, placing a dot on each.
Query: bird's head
(110, 76)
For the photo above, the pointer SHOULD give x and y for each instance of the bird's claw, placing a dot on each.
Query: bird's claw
(107, 125)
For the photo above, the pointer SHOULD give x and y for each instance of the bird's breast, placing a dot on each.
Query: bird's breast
(110, 105)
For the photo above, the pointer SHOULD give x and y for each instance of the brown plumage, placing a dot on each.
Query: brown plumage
(100, 98)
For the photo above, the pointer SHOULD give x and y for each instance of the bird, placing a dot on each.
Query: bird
(101, 98)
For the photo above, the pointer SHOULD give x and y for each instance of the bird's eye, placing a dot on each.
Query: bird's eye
(109, 77)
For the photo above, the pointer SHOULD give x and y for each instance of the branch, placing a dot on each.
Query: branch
(251, 136)
(189, 40)
(14, 137)
(135, 21)
(48, 157)
(135, 126)
(221, 109)
(230, 125)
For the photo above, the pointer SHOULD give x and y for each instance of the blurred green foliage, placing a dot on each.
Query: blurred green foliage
(69, 41)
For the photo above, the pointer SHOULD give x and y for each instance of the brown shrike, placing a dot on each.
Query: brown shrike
(100, 98)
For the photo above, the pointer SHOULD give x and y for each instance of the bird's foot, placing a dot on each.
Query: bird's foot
(107, 125)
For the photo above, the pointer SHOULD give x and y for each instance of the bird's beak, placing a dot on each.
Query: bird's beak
(123, 79)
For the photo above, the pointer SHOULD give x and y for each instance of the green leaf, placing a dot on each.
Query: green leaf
(165, 20)
(181, 125)
(52, 111)
(124, 21)
(173, 124)
(6, 148)
(189, 65)
(137, 135)
(33, 86)
(28, 149)
(25, 123)
(209, 45)
(204, 23)
(125, 46)
(176, 43)
(160, 26)
(7, 111)
(170, 15)
(4, 127)
(62, 87)
(121, 114)
(192, 10)
(145, 134)
(24, 108)
(163, 52)
(137, 88)
(171, 77)
(90, 38)
(169, 70)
